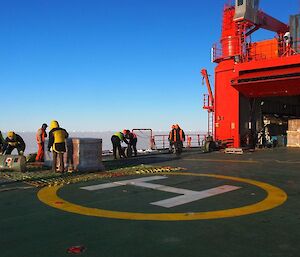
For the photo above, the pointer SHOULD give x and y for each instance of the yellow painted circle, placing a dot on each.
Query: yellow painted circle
(275, 197)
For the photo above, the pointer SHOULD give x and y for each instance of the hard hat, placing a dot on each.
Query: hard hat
(10, 134)
(54, 124)
(287, 35)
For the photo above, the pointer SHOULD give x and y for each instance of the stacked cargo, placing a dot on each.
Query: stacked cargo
(293, 133)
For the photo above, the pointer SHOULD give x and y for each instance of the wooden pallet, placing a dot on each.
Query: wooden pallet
(234, 150)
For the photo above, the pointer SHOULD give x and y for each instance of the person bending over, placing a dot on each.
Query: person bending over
(14, 141)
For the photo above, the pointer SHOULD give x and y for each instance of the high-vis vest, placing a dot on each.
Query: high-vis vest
(59, 145)
(59, 136)
(174, 137)
(119, 135)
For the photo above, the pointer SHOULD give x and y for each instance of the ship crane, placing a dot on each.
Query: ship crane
(248, 19)
(208, 104)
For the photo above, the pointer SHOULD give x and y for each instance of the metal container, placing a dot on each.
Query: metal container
(86, 154)
(83, 154)
(293, 139)
(294, 125)
(13, 163)
(230, 46)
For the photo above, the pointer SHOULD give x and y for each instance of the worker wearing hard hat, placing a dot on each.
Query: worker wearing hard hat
(116, 140)
(132, 138)
(14, 141)
(57, 143)
(40, 139)
(177, 137)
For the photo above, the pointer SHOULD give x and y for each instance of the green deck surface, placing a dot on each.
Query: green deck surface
(30, 228)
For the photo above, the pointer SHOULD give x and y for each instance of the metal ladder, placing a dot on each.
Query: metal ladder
(210, 123)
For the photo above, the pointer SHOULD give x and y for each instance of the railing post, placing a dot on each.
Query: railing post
(152, 142)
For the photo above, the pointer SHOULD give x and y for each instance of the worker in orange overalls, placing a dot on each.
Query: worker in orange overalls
(40, 139)
(189, 141)
(170, 139)
(177, 137)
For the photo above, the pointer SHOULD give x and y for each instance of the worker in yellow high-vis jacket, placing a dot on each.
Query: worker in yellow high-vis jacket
(57, 142)
(14, 141)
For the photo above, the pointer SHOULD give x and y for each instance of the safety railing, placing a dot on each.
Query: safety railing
(256, 51)
(296, 45)
(216, 52)
(191, 140)
(229, 47)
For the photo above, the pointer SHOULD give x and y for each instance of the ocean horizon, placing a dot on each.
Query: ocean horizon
(143, 138)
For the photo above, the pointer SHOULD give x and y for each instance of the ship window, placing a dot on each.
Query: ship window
(240, 2)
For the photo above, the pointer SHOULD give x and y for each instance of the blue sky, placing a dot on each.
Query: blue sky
(97, 65)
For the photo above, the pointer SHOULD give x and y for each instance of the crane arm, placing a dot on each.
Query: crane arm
(269, 23)
(210, 93)
(248, 10)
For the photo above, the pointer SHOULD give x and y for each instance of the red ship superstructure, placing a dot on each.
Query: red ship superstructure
(255, 82)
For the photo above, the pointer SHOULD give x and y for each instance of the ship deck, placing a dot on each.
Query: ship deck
(214, 204)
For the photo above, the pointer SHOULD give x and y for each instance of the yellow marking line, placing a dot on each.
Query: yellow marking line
(219, 160)
(275, 197)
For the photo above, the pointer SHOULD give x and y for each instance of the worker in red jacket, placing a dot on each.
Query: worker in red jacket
(40, 139)
(132, 139)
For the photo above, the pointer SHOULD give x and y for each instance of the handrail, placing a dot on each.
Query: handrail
(261, 50)
(161, 141)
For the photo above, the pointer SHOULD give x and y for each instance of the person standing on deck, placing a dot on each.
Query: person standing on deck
(57, 141)
(170, 139)
(189, 141)
(177, 137)
(40, 139)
